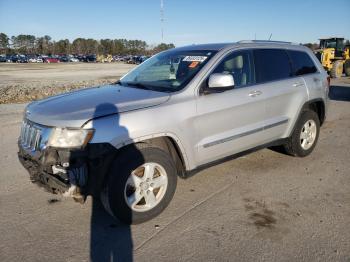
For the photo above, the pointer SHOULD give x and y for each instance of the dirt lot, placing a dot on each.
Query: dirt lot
(25, 82)
(264, 206)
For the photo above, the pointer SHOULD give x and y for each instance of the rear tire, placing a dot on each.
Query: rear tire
(305, 135)
(347, 67)
(141, 184)
(337, 69)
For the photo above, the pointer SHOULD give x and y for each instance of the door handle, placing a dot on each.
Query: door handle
(255, 93)
(298, 84)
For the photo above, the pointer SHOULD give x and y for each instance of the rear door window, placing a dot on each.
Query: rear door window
(271, 65)
(302, 63)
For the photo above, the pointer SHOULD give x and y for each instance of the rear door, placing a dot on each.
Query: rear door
(304, 67)
(274, 76)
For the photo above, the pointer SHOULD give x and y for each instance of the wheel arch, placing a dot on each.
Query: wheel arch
(317, 105)
(165, 141)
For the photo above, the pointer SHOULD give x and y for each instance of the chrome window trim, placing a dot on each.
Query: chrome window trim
(231, 51)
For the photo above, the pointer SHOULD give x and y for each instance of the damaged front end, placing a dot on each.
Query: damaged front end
(74, 172)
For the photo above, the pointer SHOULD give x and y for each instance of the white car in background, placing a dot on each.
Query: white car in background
(32, 60)
(73, 59)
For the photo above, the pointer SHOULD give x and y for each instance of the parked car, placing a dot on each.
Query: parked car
(8, 58)
(81, 58)
(122, 58)
(39, 59)
(73, 59)
(132, 60)
(129, 60)
(3, 59)
(127, 143)
(143, 58)
(22, 59)
(14, 58)
(50, 60)
(90, 58)
(32, 58)
(118, 58)
(63, 59)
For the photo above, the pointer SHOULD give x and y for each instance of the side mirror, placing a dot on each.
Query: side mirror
(221, 82)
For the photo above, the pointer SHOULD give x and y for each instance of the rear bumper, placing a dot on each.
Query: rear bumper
(74, 173)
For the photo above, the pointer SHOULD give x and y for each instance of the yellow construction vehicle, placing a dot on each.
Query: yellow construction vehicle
(334, 56)
(104, 58)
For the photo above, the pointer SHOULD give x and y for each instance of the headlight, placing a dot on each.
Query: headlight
(62, 137)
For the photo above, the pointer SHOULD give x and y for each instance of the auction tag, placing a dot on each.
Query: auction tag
(191, 58)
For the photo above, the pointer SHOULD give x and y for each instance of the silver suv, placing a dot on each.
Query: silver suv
(126, 143)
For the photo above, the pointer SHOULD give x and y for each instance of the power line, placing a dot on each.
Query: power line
(162, 18)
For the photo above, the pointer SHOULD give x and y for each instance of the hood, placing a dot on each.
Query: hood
(75, 108)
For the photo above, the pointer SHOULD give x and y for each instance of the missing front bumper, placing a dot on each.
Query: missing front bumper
(52, 183)
(75, 174)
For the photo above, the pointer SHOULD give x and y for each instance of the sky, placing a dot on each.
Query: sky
(185, 21)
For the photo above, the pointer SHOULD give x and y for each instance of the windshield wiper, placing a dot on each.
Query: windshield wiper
(137, 84)
(142, 86)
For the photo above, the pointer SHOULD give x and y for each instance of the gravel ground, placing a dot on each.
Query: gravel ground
(264, 206)
(26, 82)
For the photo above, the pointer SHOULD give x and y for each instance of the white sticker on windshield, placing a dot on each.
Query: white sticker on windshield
(191, 58)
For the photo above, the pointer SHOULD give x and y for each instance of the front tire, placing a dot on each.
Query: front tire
(347, 67)
(305, 135)
(141, 184)
(337, 69)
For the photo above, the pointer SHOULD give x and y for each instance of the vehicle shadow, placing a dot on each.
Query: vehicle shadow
(110, 240)
(339, 93)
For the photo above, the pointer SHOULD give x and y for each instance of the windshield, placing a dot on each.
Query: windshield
(338, 43)
(328, 43)
(168, 71)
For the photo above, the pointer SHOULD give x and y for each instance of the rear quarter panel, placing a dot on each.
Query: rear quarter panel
(316, 87)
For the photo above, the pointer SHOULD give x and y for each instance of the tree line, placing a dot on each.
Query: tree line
(30, 44)
(315, 46)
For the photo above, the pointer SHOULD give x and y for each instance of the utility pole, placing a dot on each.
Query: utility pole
(162, 18)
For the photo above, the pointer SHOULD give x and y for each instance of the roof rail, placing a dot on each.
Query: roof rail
(266, 41)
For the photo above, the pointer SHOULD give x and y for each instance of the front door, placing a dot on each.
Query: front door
(230, 122)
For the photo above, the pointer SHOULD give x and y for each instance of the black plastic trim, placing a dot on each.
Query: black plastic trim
(192, 172)
(250, 132)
